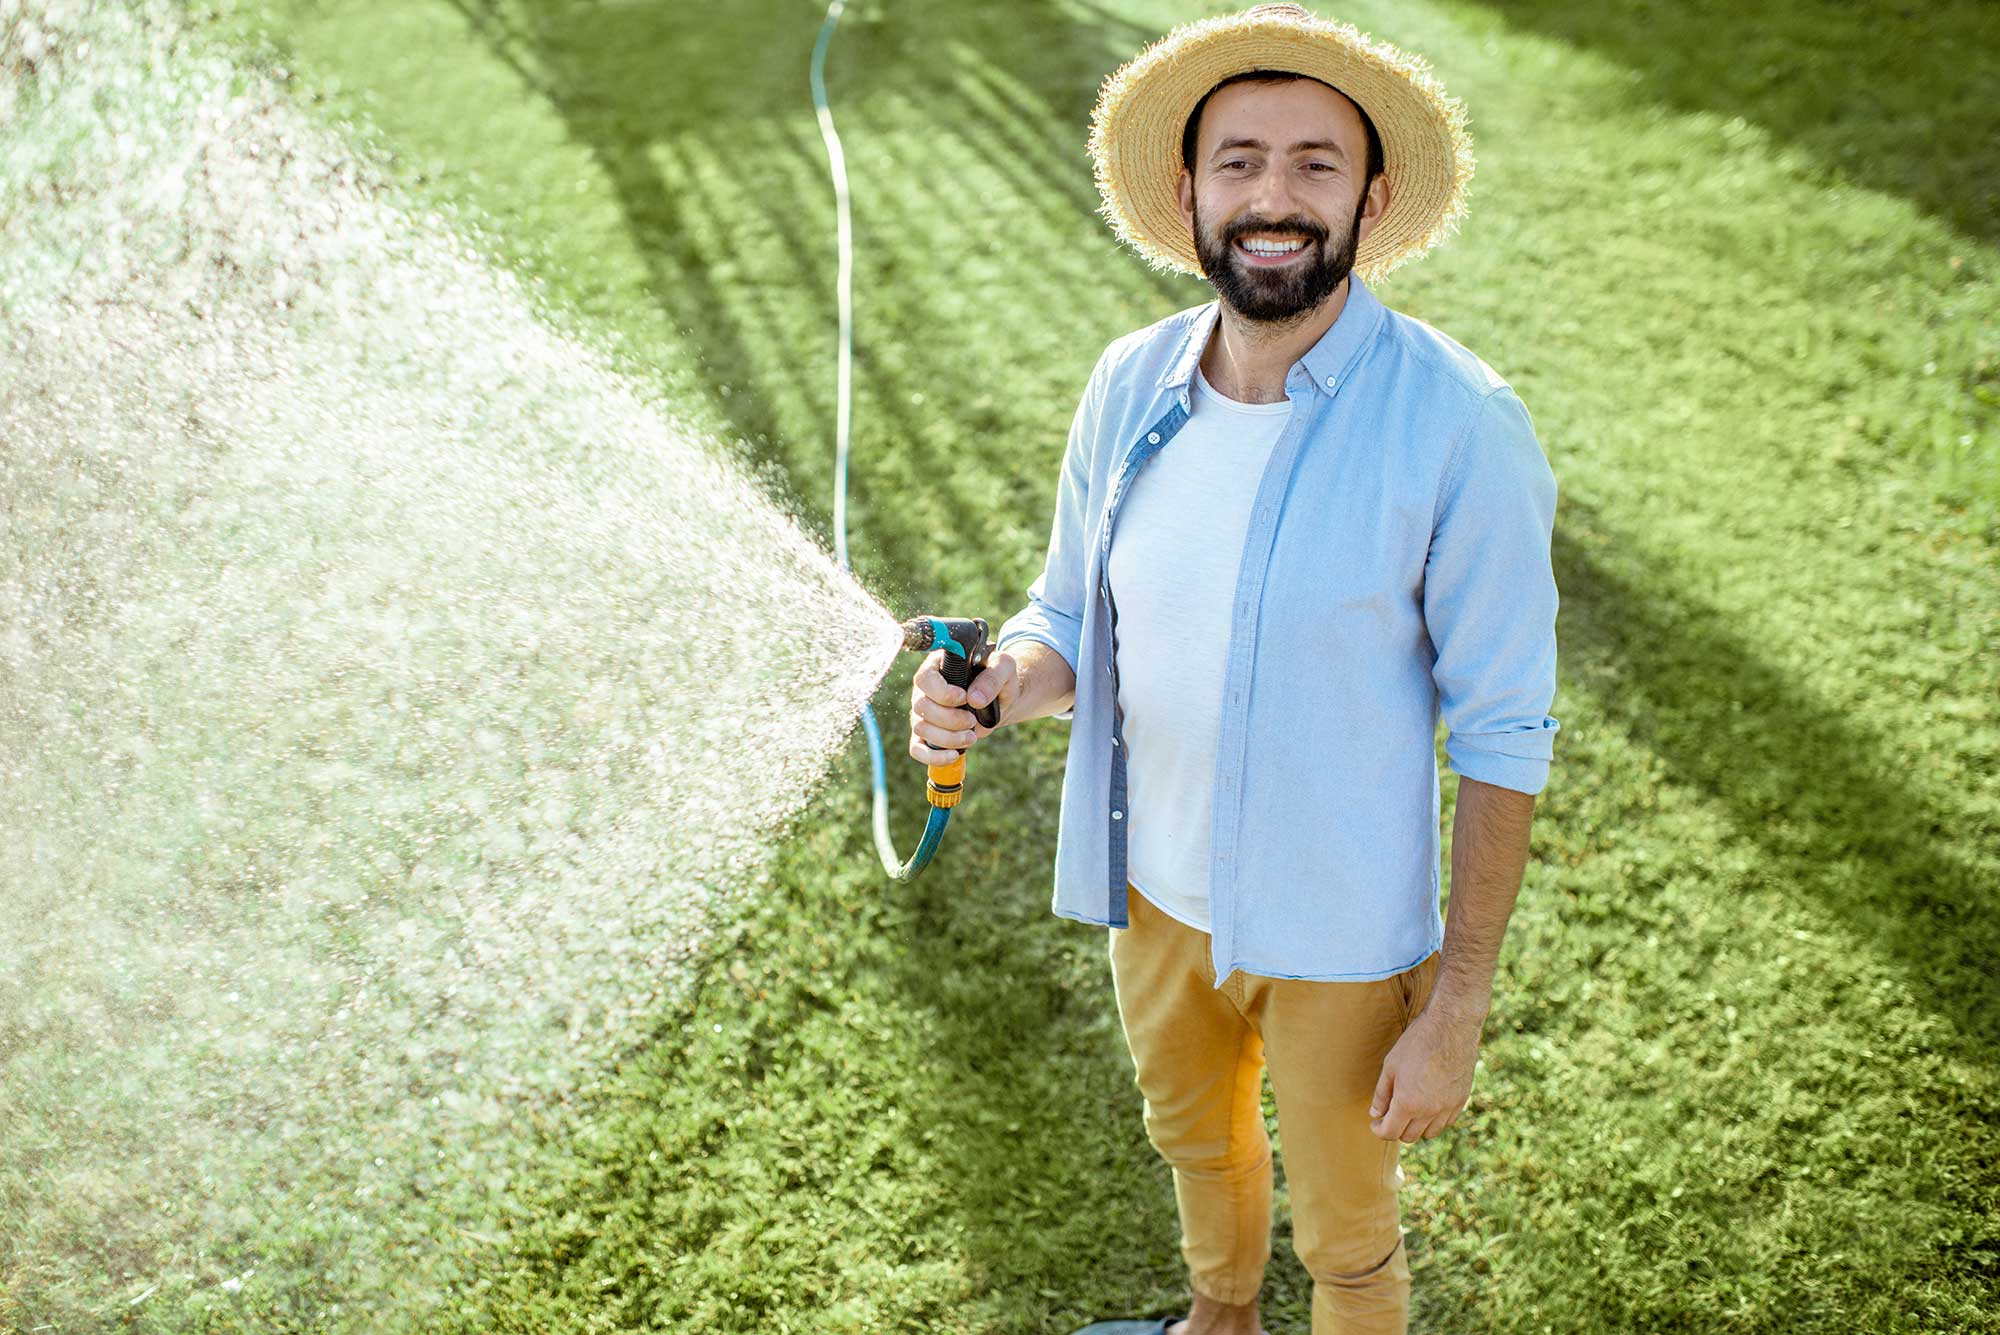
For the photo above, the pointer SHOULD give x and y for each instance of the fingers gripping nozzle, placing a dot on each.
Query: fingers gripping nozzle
(966, 650)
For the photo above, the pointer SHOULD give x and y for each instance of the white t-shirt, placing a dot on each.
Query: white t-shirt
(1174, 558)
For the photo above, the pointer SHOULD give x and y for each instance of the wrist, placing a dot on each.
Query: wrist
(1002, 713)
(1459, 1007)
(1000, 710)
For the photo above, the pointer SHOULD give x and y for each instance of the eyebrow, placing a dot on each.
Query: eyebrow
(1303, 146)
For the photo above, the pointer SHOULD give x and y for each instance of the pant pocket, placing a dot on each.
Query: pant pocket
(1413, 987)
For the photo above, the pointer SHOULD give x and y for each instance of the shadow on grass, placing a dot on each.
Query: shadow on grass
(1899, 98)
(705, 126)
(1817, 792)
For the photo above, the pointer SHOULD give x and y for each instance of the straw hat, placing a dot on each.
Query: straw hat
(1135, 131)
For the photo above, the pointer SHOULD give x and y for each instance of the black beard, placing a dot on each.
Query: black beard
(1275, 296)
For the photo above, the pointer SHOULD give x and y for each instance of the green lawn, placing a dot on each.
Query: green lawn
(1741, 1072)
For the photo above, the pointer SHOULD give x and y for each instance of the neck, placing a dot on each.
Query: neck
(1248, 359)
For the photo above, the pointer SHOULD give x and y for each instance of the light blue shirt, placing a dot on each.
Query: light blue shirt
(1396, 568)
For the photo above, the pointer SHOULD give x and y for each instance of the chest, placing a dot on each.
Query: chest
(1325, 509)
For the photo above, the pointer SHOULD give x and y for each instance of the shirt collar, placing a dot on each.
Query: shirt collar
(1326, 362)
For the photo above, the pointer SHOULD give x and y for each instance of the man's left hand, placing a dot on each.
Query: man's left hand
(1426, 1078)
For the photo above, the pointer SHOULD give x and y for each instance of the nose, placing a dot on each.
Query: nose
(1273, 199)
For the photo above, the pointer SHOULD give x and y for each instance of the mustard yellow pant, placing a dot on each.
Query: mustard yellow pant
(1200, 1054)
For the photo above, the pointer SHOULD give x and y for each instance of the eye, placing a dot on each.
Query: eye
(1329, 166)
(1234, 162)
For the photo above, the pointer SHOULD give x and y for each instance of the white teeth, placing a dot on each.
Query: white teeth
(1272, 247)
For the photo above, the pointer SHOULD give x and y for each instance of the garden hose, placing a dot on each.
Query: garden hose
(963, 639)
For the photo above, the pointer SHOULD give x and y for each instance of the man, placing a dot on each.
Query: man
(1292, 528)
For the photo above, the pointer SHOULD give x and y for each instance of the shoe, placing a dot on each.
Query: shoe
(1140, 1327)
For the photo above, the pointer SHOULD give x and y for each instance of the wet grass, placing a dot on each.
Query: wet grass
(1740, 1070)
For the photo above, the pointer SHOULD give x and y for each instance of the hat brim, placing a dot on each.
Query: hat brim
(1143, 107)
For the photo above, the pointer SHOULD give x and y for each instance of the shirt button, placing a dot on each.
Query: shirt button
(1331, 381)
(1118, 815)
(1114, 741)
(1152, 437)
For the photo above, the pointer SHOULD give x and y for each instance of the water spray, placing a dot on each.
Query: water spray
(963, 639)
(372, 653)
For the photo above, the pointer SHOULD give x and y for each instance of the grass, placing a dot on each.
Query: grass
(1740, 1073)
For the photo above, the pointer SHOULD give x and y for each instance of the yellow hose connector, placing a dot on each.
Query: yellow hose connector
(946, 783)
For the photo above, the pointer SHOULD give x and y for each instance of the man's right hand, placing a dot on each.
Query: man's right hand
(941, 726)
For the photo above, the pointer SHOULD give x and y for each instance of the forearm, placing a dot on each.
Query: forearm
(1489, 854)
(1046, 683)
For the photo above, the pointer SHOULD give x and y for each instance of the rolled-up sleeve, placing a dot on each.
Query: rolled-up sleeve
(1054, 614)
(1490, 600)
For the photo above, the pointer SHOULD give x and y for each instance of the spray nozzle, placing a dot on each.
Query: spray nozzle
(966, 649)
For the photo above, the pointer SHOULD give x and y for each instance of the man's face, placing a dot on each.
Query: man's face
(1304, 185)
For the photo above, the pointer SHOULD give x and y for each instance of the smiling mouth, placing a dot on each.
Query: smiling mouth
(1270, 260)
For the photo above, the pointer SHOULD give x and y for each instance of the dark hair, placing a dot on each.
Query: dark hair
(1277, 76)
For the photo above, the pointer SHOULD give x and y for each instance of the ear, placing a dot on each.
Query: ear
(1184, 190)
(1377, 205)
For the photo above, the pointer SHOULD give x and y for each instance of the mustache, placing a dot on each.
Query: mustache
(1241, 228)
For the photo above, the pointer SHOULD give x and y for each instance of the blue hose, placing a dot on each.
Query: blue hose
(940, 816)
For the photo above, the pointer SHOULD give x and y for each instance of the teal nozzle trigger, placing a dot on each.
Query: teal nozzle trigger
(941, 638)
